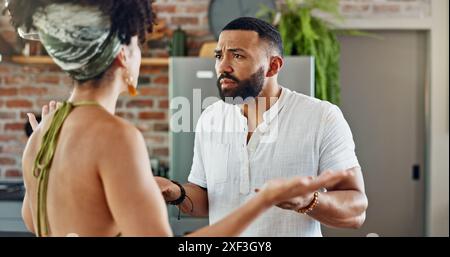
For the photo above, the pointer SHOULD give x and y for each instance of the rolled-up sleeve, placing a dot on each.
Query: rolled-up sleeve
(337, 148)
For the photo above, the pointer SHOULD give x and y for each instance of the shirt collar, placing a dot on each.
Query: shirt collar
(272, 113)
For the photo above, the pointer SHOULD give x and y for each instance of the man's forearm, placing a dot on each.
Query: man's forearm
(196, 201)
(341, 209)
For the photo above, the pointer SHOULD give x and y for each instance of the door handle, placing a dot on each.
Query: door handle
(416, 172)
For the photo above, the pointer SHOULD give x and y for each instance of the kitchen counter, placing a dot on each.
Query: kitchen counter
(11, 217)
(11, 196)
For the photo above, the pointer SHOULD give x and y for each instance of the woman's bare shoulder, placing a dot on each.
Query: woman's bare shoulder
(116, 125)
(114, 131)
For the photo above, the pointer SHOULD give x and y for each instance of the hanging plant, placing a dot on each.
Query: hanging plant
(305, 33)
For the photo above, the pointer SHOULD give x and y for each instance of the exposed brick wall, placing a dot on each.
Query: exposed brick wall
(26, 88)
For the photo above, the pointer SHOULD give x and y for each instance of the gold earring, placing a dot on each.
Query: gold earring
(130, 83)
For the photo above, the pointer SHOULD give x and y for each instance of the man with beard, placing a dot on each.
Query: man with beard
(262, 130)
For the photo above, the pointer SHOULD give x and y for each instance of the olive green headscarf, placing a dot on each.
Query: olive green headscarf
(78, 38)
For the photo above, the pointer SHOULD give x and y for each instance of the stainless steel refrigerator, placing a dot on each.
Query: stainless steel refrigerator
(192, 80)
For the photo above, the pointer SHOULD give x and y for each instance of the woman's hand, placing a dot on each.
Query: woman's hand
(46, 109)
(280, 192)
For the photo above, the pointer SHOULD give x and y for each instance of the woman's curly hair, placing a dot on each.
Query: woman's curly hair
(128, 17)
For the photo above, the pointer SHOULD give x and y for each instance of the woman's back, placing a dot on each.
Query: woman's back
(76, 200)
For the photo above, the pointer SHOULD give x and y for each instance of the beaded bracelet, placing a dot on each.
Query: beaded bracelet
(311, 205)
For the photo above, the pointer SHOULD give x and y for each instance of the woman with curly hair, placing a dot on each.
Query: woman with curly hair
(87, 171)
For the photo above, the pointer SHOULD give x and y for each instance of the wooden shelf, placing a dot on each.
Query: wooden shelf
(47, 60)
(32, 59)
(155, 61)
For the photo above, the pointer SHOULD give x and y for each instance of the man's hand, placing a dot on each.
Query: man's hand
(46, 110)
(169, 190)
(297, 192)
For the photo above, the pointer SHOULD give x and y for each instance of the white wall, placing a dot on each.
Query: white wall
(437, 213)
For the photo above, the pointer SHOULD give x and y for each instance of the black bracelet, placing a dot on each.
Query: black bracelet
(182, 196)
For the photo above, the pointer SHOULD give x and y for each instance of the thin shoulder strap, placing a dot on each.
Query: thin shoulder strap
(85, 103)
(42, 165)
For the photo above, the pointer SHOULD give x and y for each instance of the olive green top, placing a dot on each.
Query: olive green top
(43, 162)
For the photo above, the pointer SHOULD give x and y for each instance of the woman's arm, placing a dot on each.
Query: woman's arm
(132, 194)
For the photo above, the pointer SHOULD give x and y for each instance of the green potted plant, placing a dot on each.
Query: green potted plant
(305, 31)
